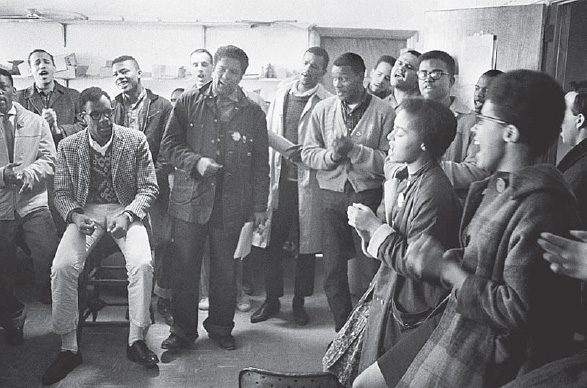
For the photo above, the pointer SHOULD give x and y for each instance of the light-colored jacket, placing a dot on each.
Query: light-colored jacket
(308, 189)
(364, 166)
(35, 151)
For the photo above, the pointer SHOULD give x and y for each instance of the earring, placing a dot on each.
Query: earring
(422, 147)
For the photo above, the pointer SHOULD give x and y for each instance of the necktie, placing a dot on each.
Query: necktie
(9, 135)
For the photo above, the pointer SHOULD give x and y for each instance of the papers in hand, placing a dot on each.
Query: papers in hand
(245, 240)
(284, 146)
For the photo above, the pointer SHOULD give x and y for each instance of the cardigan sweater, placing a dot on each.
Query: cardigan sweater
(512, 313)
(364, 166)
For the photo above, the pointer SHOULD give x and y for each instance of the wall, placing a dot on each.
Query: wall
(387, 14)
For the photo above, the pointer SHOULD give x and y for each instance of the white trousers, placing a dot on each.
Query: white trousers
(71, 256)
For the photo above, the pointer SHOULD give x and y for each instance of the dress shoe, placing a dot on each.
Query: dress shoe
(268, 309)
(13, 328)
(139, 352)
(175, 342)
(226, 342)
(64, 363)
(299, 313)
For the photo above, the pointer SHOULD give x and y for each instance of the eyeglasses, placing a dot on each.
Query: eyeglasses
(434, 74)
(480, 118)
(96, 116)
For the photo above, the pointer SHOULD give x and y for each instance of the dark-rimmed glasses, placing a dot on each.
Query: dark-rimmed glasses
(480, 118)
(434, 74)
(96, 116)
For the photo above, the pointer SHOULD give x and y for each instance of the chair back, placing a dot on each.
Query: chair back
(260, 378)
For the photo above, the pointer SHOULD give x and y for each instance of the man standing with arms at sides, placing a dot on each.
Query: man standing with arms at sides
(294, 193)
(404, 80)
(27, 162)
(55, 103)
(104, 183)
(216, 139)
(346, 142)
(436, 77)
(482, 87)
(379, 84)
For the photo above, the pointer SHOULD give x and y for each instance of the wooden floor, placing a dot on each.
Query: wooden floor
(277, 344)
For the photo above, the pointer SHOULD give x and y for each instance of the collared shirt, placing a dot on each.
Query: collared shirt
(9, 138)
(11, 115)
(132, 112)
(294, 91)
(97, 147)
(45, 96)
(352, 116)
(225, 104)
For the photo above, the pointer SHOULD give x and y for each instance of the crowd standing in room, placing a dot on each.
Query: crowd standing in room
(471, 249)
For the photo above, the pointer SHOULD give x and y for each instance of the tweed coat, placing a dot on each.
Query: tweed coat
(133, 173)
(512, 313)
(35, 151)
(308, 189)
(64, 101)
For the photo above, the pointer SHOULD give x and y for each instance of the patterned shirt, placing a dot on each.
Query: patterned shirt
(352, 116)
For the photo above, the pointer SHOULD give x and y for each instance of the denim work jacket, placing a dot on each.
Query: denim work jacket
(192, 133)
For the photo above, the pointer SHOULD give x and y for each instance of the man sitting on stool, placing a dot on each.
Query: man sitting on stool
(104, 182)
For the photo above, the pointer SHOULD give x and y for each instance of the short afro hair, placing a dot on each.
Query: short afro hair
(234, 53)
(443, 56)
(387, 59)
(532, 101)
(123, 58)
(434, 121)
(92, 94)
(320, 52)
(354, 61)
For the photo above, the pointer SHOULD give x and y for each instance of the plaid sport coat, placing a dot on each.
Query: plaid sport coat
(512, 314)
(133, 172)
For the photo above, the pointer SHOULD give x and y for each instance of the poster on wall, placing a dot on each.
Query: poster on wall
(478, 54)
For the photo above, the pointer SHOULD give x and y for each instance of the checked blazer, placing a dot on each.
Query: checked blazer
(133, 172)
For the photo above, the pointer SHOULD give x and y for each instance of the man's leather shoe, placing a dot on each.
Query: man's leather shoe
(139, 352)
(226, 342)
(13, 328)
(268, 309)
(175, 342)
(64, 363)
(299, 313)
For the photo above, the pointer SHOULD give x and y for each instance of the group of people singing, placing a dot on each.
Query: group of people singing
(470, 249)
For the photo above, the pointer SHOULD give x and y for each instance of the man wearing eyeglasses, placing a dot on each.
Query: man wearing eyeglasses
(436, 77)
(104, 183)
